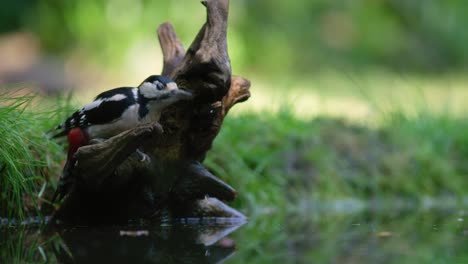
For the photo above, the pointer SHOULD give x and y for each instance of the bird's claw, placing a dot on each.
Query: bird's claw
(142, 156)
(158, 128)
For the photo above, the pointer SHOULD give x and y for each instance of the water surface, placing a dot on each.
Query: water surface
(315, 236)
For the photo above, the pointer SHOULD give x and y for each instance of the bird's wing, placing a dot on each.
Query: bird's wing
(106, 108)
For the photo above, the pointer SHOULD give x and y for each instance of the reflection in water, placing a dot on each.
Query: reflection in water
(187, 242)
(438, 236)
(368, 237)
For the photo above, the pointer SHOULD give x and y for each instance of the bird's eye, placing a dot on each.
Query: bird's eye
(159, 85)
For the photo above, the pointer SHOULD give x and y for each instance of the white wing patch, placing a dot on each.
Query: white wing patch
(116, 97)
(128, 120)
(98, 102)
(94, 104)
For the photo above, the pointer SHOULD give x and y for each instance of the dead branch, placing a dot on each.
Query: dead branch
(172, 173)
(172, 49)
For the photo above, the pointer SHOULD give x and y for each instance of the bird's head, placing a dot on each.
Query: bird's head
(162, 91)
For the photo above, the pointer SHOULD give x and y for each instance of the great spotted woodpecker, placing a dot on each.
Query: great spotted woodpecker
(113, 112)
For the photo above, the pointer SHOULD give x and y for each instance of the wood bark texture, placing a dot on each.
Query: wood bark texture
(115, 183)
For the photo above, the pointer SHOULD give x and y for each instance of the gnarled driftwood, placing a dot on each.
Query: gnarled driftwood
(114, 182)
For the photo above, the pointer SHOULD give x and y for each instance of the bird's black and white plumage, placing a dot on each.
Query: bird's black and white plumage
(123, 108)
(113, 112)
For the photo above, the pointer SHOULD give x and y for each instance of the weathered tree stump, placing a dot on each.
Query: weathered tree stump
(115, 184)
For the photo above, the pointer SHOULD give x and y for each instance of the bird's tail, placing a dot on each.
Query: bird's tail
(62, 189)
(57, 131)
(64, 185)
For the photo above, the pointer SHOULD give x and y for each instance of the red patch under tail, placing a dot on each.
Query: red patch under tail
(77, 138)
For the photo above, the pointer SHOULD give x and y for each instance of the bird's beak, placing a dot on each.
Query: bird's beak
(182, 94)
(171, 86)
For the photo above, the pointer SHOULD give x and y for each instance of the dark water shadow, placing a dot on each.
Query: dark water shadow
(188, 241)
(339, 235)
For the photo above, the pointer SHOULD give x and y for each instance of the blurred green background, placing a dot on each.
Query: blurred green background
(322, 56)
(270, 37)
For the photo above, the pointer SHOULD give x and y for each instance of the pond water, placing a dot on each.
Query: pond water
(413, 236)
